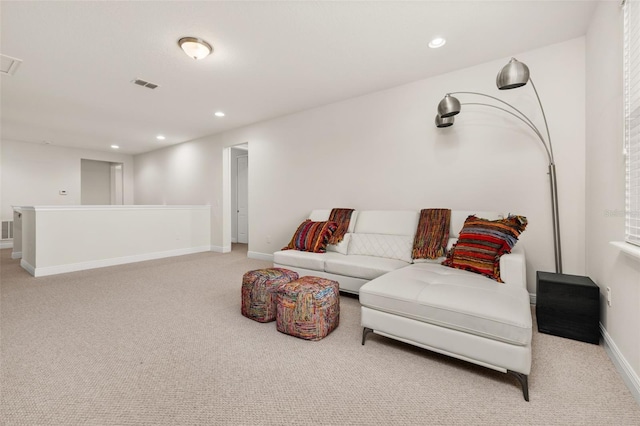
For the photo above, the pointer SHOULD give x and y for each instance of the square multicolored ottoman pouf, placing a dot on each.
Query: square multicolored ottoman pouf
(308, 308)
(258, 287)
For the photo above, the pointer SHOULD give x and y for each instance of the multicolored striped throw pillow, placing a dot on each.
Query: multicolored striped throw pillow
(312, 236)
(482, 242)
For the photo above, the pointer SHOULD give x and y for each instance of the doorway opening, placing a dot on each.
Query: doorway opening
(101, 183)
(238, 186)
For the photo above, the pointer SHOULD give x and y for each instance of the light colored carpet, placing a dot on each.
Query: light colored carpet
(164, 343)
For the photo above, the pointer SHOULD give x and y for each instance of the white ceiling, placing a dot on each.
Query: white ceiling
(270, 59)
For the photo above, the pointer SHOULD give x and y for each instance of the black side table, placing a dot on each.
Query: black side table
(568, 306)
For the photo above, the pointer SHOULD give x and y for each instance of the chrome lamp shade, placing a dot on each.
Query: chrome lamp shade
(512, 75)
(444, 121)
(448, 107)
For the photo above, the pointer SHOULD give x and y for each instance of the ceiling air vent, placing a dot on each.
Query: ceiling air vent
(144, 83)
(9, 65)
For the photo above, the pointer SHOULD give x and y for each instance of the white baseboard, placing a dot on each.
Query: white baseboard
(532, 298)
(260, 256)
(92, 264)
(234, 240)
(16, 255)
(629, 376)
(221, 249)
(6, 244)
(28, 267)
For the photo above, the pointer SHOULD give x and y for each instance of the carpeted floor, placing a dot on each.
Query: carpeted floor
(163, 343)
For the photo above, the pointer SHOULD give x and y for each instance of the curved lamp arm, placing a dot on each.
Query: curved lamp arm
(524, 120)
(515, 112)
(543, 116)
(521, 116)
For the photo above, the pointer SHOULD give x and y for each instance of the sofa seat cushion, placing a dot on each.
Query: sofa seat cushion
(455, 299)
(360, 266)
(300, 259)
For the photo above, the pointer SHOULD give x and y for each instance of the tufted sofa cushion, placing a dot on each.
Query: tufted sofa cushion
(388, 246)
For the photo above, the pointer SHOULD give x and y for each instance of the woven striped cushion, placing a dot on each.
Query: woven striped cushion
(482, 242)
(312, 236)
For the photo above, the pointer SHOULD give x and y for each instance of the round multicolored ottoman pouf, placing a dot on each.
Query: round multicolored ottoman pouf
(308, 308)
(258, 286)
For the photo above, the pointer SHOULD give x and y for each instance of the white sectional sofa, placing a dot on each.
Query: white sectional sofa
(423, 303)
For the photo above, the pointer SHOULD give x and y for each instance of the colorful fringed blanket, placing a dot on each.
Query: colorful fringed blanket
(342, 217)
(432, 234)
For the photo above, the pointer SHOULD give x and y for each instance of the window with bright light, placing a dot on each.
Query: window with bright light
(632, 119)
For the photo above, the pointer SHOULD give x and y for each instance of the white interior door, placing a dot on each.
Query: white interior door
(243, 199)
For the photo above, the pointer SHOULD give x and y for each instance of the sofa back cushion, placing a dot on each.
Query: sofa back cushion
(387, 222)
(384, 233)
(380, 245)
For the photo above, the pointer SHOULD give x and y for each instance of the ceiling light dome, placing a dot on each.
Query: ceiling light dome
(194, 47)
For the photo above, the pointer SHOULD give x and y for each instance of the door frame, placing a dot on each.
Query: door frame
(227, 207)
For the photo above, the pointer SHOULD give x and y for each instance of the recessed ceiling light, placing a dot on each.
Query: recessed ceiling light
(115, 146)
(437, 42)
(160, 137)
(194, 47)
(219, 114)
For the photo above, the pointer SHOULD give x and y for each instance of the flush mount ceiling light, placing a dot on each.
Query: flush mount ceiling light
(219, 114)
(194, 47)
(437, 42)
(115, 146)
(160, 137)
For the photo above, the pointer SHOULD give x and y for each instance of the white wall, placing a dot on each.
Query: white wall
(382, 151)
(188, 173)
(95, 182)
(33, 174)
(605, 201)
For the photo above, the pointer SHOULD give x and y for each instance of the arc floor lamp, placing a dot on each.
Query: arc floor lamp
(513, 75)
